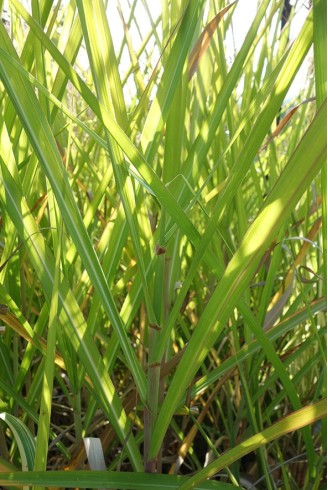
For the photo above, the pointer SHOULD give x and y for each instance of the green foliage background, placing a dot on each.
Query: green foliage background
(163, 258)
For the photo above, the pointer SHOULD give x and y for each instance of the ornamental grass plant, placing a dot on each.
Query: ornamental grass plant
(163, 246)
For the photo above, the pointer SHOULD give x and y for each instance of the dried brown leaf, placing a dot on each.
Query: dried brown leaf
(204, 40)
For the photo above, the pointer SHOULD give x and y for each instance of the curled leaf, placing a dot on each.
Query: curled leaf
(304, 279)
(23, 438)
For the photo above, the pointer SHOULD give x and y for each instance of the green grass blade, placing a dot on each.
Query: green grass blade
(172, 73)
(23, 438)
(105, 479)
(103, 61)
(320, 66)
(320, 48)
(42, 439)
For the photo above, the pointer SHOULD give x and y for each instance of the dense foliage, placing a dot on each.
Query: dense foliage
(163, 246)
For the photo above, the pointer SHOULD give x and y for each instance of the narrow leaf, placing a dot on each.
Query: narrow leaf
(23, 438)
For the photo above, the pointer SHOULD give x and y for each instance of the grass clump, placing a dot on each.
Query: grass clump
(163, 247)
